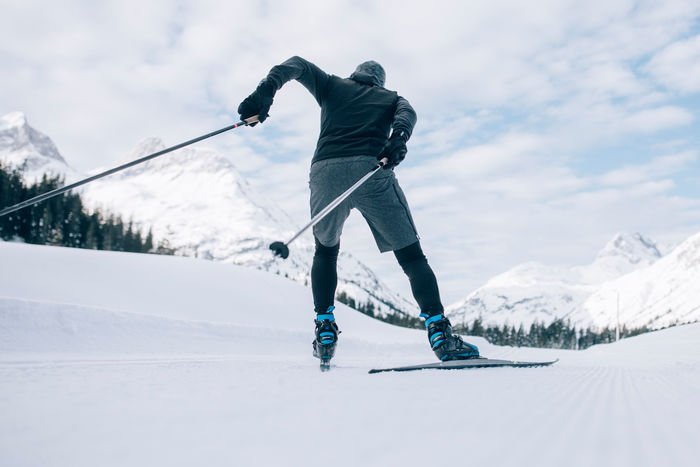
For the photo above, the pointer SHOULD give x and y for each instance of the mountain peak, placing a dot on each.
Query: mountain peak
(28, 147)
(197, 159)
(147, 146)
(634, 248)
(534, 292)
(13, 120)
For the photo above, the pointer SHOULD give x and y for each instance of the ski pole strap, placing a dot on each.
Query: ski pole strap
(58, 191)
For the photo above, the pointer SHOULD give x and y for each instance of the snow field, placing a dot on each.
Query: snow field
(119, 359)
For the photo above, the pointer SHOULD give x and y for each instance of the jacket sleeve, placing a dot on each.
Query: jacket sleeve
(404, 118)
(312, 77)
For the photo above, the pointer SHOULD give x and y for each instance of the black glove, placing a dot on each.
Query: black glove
(257, 103)
(394, 149)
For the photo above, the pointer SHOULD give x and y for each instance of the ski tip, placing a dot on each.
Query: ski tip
(525, 364)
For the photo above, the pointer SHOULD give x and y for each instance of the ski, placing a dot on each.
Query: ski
(471, 363)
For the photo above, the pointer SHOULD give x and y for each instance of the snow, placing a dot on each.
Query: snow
(632, 249)
(12, 119)
(116, 359)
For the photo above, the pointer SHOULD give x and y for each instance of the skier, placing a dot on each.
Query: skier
(357, 114)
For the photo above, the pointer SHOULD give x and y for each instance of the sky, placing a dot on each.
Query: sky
(544, 127)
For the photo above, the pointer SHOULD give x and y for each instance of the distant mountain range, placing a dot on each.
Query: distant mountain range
(628, 275)
(197, 199)
(664, 293)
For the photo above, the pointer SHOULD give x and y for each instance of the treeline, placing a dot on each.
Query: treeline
(63, 220)
(369, 309)
(557, 335)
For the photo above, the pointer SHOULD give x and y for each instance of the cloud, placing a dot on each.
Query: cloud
(465, 165)
(659, 167)
(678, 66)
(656, 119)
(445, 133)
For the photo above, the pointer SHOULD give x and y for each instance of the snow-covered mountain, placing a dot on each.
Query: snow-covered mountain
(534, 292)
(662, 294)
(621, 255)
(197, 200)
(23, 147)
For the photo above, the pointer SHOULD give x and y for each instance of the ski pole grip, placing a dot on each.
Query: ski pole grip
(384, 161)
(253, 119)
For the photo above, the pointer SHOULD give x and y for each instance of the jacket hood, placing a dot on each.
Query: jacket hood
(369, 72)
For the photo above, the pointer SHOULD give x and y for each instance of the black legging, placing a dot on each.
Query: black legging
(324, 277)
(423, 282)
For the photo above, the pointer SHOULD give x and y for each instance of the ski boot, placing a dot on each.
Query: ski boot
(326, 338)
(447, 346)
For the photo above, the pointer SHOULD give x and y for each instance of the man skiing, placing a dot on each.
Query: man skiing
(357, 116)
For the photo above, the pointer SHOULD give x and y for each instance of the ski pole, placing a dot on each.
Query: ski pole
(282, 249)
(58, 191)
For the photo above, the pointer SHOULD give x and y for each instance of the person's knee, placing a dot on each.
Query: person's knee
(409, 255)
(330, 252)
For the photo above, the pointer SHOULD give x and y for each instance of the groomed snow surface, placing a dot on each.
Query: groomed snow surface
(115, 359)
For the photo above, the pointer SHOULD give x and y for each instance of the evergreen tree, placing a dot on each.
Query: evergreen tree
(520, 337)
(148, 243)
(63, 220)
(477, 328)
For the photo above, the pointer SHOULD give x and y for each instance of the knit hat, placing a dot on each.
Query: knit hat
(369, 72)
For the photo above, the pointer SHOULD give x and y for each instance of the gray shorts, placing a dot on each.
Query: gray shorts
(380, 200)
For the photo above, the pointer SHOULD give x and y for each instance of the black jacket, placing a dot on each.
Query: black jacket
(356, 115)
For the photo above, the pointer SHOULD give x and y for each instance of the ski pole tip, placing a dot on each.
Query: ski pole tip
(280, 249)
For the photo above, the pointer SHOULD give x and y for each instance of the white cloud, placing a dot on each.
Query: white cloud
(656, 119)
(678, 65)
(659, 167)
(445, 132)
